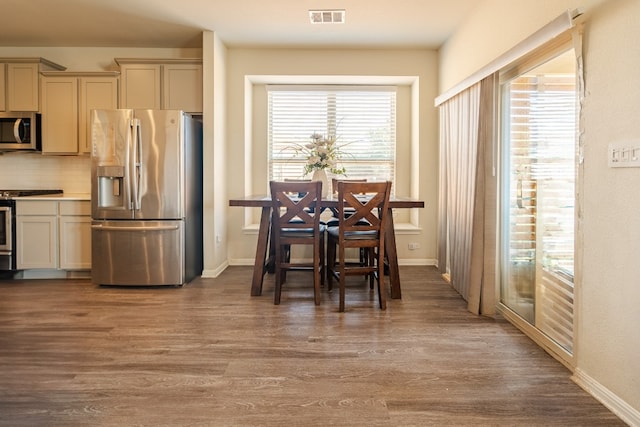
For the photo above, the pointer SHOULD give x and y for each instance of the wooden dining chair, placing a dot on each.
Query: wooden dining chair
(294, 221)
(364, 228)
(335, 218)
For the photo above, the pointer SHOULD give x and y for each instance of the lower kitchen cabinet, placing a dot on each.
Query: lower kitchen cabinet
(37, 234)
(74, 225)
(53, 234)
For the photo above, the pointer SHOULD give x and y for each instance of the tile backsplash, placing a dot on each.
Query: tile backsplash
(34, 171)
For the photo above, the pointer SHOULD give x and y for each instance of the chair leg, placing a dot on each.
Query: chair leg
(279, 273)
(371, 257)
(331, 262)
(317, 272)
(341, 269)
(364, 259)
(342, 286)
(316, 286)
(322, 260)
(382, 294)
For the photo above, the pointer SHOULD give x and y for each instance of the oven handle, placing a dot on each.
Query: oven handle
(8, 242)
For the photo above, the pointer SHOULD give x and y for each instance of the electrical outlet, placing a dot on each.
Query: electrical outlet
(413, 246)
(624, 154)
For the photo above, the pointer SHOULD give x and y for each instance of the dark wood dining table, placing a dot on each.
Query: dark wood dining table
(264, 260)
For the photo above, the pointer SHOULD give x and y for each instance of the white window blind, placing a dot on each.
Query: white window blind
(362, 118)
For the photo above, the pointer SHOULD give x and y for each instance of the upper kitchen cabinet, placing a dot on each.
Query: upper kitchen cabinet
(96, 93)
(182, 87)
(161, 84)
(67, 101)
(3, 85)
(141, 84)
(21, 87)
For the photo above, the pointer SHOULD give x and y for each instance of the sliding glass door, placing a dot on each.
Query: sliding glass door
(539, 152)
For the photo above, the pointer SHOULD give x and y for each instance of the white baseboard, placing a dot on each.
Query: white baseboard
(211, 274)
(241, 261)
(616, 405)
(415, 261)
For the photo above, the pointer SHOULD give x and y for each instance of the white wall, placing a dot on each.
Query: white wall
(495, 27)
(246, 148)
(608, 340)
(215, 164)
(607, 300)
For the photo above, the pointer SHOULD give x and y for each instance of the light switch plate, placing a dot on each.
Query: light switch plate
(624, 154)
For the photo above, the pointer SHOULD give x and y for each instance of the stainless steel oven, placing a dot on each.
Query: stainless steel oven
(7, 235)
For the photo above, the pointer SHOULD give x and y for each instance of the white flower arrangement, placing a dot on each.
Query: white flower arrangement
(321, 153)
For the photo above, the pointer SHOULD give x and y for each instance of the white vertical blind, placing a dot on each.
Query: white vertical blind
(459, 127)
(362, 118)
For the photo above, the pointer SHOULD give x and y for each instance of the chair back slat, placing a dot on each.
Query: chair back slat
(293, 203)
(367, 203)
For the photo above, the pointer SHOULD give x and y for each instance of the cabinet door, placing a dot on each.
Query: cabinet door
(59, 115)
(37, 241)
(183, 87)
(95, 93)
(3, 84)
(140, 86)
(22, 87)
(75, 242)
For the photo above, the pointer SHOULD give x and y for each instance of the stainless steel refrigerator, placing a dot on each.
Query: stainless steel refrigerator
(146, 197)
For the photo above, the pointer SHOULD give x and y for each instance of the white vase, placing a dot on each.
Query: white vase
(321, 175)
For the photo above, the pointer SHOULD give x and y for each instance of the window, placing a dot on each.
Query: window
(362, 118)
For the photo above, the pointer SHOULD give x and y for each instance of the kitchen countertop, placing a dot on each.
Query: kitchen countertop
(63, 196)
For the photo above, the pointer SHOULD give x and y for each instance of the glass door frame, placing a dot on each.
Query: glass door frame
(531, 61)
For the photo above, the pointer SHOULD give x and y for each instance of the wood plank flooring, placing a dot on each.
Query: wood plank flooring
(209, 354)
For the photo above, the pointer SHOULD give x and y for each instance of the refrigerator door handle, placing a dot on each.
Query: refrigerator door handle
(141, 228)
(136, 135)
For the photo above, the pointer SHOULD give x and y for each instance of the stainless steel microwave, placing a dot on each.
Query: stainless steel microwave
(19, 131)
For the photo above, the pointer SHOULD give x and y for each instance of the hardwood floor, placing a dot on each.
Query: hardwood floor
(209, 354)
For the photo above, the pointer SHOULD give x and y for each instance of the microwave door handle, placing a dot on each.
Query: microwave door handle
(17, 126)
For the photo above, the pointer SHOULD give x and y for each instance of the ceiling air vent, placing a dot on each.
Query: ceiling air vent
(327, 16)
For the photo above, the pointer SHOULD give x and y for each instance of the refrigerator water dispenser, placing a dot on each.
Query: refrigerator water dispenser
(110, 186)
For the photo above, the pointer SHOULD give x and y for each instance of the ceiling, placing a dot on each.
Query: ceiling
(248, 23)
